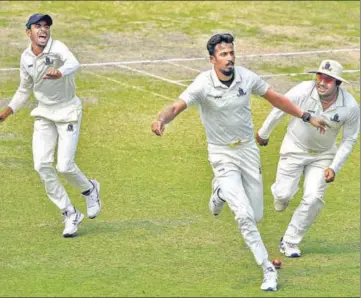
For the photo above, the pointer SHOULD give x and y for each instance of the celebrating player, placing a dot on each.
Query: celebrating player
(223, 97)
(305, 151)
(47, 68)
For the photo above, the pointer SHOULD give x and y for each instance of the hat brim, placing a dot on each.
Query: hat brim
(328, 74)
(45, 17)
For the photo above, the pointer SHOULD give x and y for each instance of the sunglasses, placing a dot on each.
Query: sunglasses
(326, 79)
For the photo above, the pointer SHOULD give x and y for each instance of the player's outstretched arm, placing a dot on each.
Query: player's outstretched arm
(167, 115)
(284, 104)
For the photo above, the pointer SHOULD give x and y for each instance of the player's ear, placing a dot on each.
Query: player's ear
(212, 59)
(28, 32)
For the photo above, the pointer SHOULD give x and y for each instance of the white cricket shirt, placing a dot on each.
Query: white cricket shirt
(56, 98)
(225, 111)
(303, 138)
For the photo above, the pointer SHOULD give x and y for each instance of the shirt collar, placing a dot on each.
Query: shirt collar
(339, 101)
(218, 83)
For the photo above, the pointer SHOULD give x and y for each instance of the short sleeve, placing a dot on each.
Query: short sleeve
(194, 92)
(259, 85)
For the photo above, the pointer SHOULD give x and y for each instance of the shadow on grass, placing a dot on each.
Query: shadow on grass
(149, 226)
(330, 247)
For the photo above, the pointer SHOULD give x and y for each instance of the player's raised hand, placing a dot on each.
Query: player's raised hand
(52, 74)
(329, 175)
(158, 127)
(5, 113)
(260, 141)
(320, 124)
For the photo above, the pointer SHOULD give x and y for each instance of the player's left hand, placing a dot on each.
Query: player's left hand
(260, 141)
(158, 127)
(329, 175)
(52, 74)
(320, 124)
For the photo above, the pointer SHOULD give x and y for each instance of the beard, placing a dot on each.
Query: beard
(227, 72)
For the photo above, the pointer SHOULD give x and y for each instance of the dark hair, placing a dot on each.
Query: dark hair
(216, 39)
(338, 83)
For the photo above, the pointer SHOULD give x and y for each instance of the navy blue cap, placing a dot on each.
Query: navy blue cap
(36, 18)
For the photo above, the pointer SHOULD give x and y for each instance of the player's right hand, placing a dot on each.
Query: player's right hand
(320, 124)
(158, 127)
(260, 141)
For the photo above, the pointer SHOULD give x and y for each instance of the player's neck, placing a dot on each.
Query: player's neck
(36, 49)
(329, 98)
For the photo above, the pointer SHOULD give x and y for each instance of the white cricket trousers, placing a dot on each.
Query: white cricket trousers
(289, 171)
(238, 174)
(48, 134)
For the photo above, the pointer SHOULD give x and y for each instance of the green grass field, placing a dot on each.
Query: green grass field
(155, 235)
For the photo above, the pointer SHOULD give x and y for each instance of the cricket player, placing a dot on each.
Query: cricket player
(223, 97)
(306, 152)
(47, 68)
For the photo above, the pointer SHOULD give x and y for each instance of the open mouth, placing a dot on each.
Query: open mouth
(42, 37)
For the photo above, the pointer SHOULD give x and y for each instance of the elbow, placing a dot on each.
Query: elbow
(76, 65)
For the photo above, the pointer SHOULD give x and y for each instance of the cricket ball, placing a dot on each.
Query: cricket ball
(277, 263)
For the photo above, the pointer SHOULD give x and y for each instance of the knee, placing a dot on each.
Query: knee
(41, 167)
(282, 192)
(314, 200)
(65, 167)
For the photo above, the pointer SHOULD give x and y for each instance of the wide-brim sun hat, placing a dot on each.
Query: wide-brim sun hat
(330, 68)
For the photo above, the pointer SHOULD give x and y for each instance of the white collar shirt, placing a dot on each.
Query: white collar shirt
(303, 138)
(56, 98)
(225, 111)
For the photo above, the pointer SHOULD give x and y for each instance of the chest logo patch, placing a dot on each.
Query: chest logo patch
(241, 92)
(48, 61)
(335, 118)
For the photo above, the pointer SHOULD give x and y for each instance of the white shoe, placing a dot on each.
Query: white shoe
(215, 202)
(72, 220)
(269, 279)
(290, 250)
(93, 202)
(280, 205)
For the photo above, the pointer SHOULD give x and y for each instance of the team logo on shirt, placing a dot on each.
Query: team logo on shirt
(241, 92)
(70, 127)
(335, 118)
(48, 61)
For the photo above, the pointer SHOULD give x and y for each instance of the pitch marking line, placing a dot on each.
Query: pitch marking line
(153, 76)
(130, 86)
(185, 67)
(284, 75)
(204, 58)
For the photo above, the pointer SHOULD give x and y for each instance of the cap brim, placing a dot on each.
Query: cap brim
(327, 74)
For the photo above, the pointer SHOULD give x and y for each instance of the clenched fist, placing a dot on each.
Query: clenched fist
(158, 127)
(329, 175)
(52, 74)
(260, 141)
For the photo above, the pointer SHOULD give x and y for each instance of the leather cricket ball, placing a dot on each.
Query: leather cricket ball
(277, 263)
